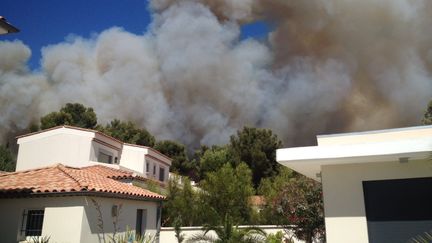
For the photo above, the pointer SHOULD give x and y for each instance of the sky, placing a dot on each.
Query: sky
(327, 66)
(47, 22)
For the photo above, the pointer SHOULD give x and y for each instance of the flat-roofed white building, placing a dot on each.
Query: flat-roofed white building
(81, 147)
(377, 185)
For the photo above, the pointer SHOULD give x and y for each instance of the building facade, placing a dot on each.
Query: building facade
(84, 147)
(80, 185)
(70, 204)
(377, 185)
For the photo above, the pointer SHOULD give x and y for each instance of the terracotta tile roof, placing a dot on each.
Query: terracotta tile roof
(60, 178)
(112, 173)
(119, 174)
(257, 200)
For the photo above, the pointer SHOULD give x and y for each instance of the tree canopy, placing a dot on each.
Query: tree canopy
(128, 132)
(177, 152)
(257, 148)
(427, 118)
(293, 199)
(71, 114)
(213, 159)
(182, 206)
(7, 160)
(226, 191)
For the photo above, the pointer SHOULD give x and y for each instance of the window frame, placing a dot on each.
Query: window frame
(105, 153)
(141, 221)
(161, 174)
(25, 223)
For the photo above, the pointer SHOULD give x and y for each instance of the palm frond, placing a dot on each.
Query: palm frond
(201, 238)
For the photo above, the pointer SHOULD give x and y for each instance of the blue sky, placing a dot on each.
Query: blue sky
(49, 21)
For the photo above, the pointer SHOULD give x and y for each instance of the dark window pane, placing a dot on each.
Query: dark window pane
(139, 218)
(161, 174)
(34, 222)
(105, 158)
(398, 210)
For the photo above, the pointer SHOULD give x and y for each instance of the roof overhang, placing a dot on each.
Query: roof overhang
(26, 193)
(309, 160)
(6, 28)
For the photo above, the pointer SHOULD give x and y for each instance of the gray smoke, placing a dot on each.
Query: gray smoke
(328, 66)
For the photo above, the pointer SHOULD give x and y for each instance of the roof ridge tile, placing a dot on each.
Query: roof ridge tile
(62, 169)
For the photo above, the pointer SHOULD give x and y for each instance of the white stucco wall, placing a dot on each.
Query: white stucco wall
(377, 136)
(133, 158)
(73, 219)
(345, 215)
(66, 146)
(136, 158)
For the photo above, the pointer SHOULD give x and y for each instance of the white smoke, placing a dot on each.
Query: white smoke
(333, 65)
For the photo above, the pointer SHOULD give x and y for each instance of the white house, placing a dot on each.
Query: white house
(73, 205)
(90, 196)
(377, 185)
(80, 147)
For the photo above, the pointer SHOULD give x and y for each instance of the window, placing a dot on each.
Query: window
(161, 174)
(397, 209)
(115, 160)
(154, 169)
(32, 222)
(105, 157)
(141, 220)
(147, 167)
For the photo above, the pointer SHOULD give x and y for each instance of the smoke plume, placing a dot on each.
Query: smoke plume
(327, 66)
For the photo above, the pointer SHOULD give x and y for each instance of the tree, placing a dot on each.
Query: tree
(257, 148)
(213, 159)
(427, 118)
(177, 152)
(71, 114)
(182, 207)
(7, 160)
(293, 199)
(177, 229)
(227, 192)
(128, 132)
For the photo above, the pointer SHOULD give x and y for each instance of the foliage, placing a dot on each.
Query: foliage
(257, 148)
(40, 239)
(223, 192)
(426, 237)
(213, 159)
(229, 233)
(275, 238)
(131, 237)
(177, 152)
(128, 132)
(71, 114)
(177, 229)
(226, 192)
(7, 160)
(182, 204)
(150, 185)
(427, 118)
(295, 200)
